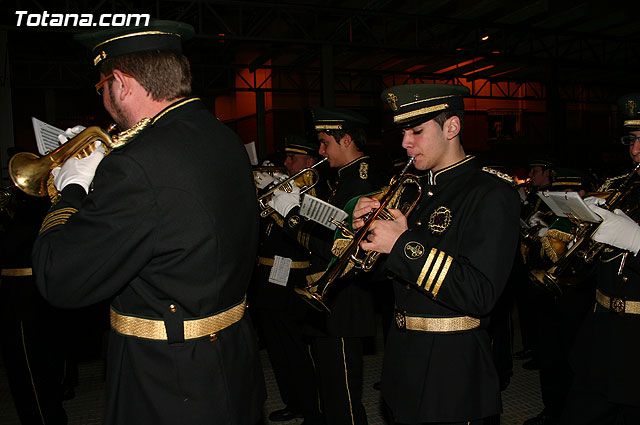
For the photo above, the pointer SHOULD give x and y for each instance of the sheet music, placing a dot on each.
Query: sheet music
(280, 271)
(321, 212)
(46, 136)
(251, 151)
(564, 204)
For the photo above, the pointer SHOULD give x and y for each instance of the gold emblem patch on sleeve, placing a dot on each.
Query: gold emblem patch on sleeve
(440, 219)
(364, 170)
(413, 250)
(293, 221)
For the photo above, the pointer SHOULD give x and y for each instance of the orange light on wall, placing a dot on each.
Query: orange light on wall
(458, 65)
(505, 72)
(478, 70)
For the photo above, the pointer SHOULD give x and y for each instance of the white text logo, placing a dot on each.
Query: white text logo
(46, 19)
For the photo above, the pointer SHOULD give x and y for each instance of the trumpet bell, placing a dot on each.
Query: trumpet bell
(314, 298)
(28, 172)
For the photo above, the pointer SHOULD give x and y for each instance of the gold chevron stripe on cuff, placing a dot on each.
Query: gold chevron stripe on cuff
(426, 266)
(434, 271)
(443, 274)
(57, 217)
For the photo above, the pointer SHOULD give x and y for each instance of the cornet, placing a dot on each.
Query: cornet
(584, 247)
(305, 179)
(31, 173)
(354, 256)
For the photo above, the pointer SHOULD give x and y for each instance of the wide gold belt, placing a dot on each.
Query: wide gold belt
(28, 271)
(435, 324)
(193, 328)
(294, 264)
(617, 305)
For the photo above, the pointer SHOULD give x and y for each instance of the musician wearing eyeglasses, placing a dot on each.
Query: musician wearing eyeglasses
(605, 353)
(166, 228)
(449, 259)
(337, 337)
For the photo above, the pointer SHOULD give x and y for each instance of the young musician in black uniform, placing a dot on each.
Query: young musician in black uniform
(450, 261)
(337, 342)
(278, 312)
(605, 353)
(168, 232)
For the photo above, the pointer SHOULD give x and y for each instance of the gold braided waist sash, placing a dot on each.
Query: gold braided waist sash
(27, 271)
(617, 305)
(294, 264)
(193, 328)
(435, 324)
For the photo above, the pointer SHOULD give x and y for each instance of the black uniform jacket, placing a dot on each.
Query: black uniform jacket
(350, 299)
(453, 260)
(271, 296)
(172, 220)
(605, 354)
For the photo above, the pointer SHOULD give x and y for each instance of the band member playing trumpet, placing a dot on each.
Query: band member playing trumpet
(279, 314)
(337, 337)
(604, 357)
(450, 261)
(149, 227)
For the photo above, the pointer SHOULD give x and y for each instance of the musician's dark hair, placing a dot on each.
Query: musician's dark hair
(166, 75)
(442, 117)
(358, 135)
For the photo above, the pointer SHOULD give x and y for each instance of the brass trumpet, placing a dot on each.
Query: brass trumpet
(31, 173)
(305, 179)
(354, 256)
(584, 247)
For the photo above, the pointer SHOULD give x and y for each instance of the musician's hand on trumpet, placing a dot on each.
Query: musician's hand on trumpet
(264, 179)
(70, 133)
(617, 229)
(78, 170)
(383, 234)
(283, 200)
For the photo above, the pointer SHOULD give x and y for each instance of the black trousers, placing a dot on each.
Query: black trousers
(290, 356)
(32, 352)
(587, 407)
(340, 373)
(558, 323)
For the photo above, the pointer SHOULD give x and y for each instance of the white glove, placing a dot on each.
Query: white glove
(70, 133)
(267, 163)
(617, 229)
(263, 179)
(594, 201)
(79, 171)
(283, 201)
(542, 231)
(537, 219)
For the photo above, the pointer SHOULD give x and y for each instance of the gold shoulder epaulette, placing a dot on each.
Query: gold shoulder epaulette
(126, 136)
(504, 176)
(57, 217)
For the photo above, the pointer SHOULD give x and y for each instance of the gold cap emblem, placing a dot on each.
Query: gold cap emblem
(392, 99)
(631, 106)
